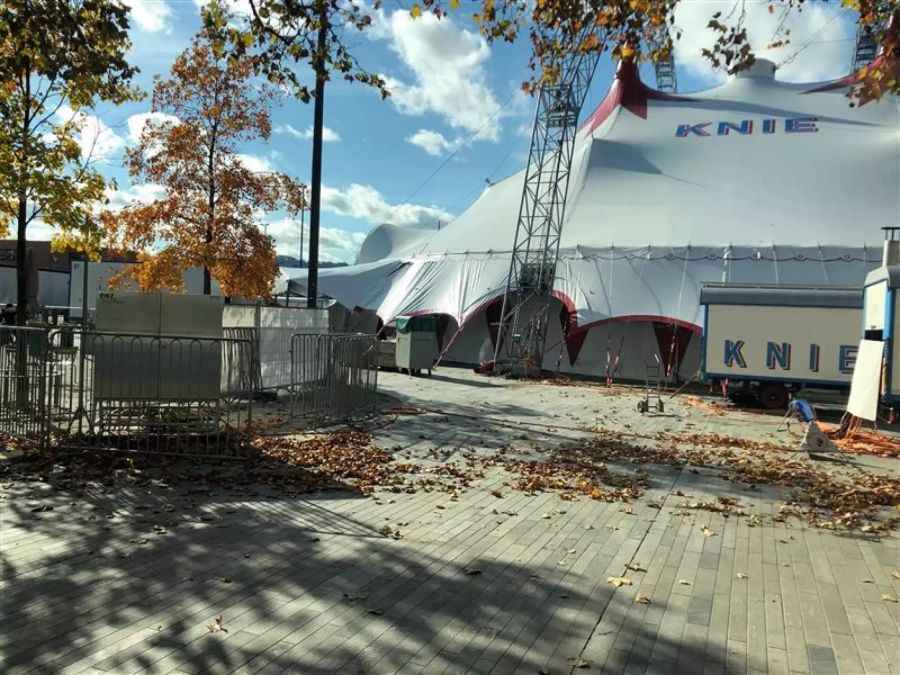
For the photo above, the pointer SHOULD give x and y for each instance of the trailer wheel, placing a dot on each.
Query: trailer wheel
(641, 407)
(773, 396)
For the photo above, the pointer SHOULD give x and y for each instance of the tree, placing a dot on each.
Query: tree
(208, 217)
(55, 55)
(281, 34)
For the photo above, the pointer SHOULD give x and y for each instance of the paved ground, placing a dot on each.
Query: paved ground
(127, 580)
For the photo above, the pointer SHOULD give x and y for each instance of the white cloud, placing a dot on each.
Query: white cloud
(329, 135)
(447, 64)
(239, 7)
(367, 203)
(98, 142)
(151, 16)
(136, 123)
(433, 142)
(827, 27)
(143, 193)
(256, 164)
(335, 244)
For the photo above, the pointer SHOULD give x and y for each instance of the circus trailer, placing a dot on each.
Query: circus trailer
(770, 341)
(881, 325)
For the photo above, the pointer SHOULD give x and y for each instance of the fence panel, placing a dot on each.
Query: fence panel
(148, 392)
(168, 393)
(334, 378)
(25, 382)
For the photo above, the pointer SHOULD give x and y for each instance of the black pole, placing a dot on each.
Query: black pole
(312, 275)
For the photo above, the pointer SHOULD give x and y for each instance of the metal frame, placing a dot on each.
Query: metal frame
(334, 378)
(664, 68)
(522, 332)
(50, 387)
(866, 48)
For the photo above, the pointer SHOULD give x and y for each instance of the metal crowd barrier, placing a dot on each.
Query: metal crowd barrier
(126, 391)
(334, 378)
(24, 382)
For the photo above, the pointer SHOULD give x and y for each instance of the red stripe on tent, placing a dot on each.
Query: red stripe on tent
(628, 91)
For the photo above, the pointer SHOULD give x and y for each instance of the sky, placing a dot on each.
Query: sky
(456, 118)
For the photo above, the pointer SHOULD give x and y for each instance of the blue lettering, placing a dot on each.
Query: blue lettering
(769, 125)
(847, 358)
(746, 127)
(778, 355)
(814, 351)
(685, 130)
(733, 353)
(801, 125)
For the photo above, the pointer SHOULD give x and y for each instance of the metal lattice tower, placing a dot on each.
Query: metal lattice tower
(522, 331)
(866, 48)
(664, 67)
(867, 38)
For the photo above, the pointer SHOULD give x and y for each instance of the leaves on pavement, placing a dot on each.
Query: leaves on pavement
(218, 625)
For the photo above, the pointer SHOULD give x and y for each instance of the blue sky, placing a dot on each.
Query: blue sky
(456, 118)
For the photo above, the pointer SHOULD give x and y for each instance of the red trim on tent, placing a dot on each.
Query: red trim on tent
(628, 91)
(848, 81)
(576, 335)
(673, 342)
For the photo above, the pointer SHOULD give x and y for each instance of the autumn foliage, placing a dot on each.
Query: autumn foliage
(209, 215)
(647, 30)
(56, 59)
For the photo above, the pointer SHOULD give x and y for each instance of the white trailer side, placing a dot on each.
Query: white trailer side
(780, 338)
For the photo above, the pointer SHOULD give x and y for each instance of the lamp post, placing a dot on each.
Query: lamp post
(319, 64)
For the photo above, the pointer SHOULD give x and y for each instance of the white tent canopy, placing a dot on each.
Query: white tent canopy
(753, 181)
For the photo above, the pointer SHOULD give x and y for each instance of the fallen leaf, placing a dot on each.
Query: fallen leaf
(684, 582)
(376, 612)
(708, 532)
(618, 581)
(497, 493)
(217, 625)
(887, 597)
(635, 567)
(546, 516)
(571, 551)
(226, 580)
(895, 574)
(642, 599)
(741, 575)
(866, 581)
(578, 662)
(562, 563)
(472, 571)
(355, 596)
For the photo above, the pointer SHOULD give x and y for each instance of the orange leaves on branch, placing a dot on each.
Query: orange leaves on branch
(645, 29)
(208, 216)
